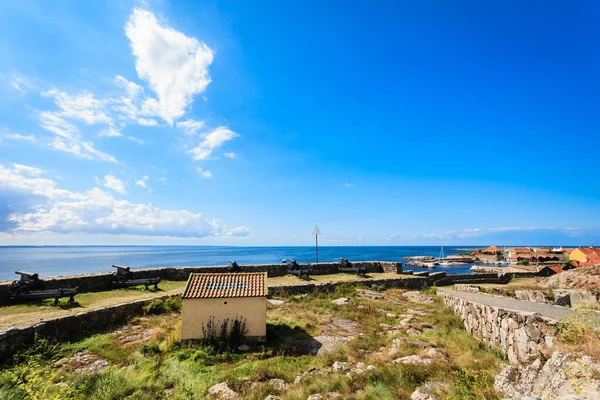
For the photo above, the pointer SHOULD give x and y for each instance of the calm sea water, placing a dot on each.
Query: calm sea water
(67, 260)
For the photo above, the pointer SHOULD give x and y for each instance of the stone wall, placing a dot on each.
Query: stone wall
(521, 336)
(327, 287)
(100, 281)
(72, 327)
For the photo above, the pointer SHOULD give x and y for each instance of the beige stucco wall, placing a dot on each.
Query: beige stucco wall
(196, 312)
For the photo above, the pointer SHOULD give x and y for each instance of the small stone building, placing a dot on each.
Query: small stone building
(225, 295)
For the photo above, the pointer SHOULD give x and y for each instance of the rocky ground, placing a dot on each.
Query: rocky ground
(352, 344)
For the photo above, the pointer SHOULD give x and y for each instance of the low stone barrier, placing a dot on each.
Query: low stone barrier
(71, 327)
(101, 281)
(328, 287)
(520, 335)
(473, 278)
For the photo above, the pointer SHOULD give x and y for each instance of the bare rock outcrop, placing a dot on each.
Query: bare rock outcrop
(562, 375)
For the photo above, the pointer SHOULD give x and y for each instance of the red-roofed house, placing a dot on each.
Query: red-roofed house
(585, 257)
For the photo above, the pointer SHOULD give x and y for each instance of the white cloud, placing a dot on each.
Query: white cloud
(229, 155)
(174, 65)
(190, 126)
(143, 182)
(68, 139)
(147, 122)
(204, 173)
(133, 89)
(114, 183)
(136, 140)
(110, 132)
(21, 169)
(16, 136)
(14, 179)
(212, 141)
(97, 212)
(82, 106)
(239, 231)
(21, 83)
(347, 185)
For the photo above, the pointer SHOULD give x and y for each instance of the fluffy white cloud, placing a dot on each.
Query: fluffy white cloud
(143, 182)
(18, 179)
(114, 183)
(96, 211)
(174, 65)
(211, 141)
(204, 173)
(190, 126)
(229, 155)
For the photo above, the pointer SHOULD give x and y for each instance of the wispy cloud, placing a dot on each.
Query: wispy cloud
(203, 173)
(212, 141)
(19, 137)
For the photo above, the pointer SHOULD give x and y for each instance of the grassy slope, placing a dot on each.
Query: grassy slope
(144, 371)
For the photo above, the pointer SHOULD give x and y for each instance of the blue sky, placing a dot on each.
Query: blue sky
(247, 123)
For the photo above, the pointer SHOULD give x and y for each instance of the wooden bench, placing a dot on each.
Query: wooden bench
(31, 287)
(123, 277)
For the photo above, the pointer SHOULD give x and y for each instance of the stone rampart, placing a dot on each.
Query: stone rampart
(521, 336)
(75, 326)
(100, 281)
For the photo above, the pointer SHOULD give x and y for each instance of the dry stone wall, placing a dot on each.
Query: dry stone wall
(520, 335)
(100, 281)
(73, 326)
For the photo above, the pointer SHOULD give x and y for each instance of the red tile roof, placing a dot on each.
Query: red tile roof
(212, 285)
(556, 268)
(591, 252)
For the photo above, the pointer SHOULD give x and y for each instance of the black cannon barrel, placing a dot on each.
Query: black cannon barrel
(31, 275)
(120, 267)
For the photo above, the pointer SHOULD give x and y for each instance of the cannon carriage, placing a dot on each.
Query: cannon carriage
(123, 277)
(295, 269)
(31, 287)
(347, 266)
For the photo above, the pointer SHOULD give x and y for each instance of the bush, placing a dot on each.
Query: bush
(229, 337)
(160, 306)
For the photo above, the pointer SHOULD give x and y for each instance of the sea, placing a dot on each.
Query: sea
(69, 260)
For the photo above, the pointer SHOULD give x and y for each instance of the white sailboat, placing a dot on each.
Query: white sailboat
(444, 263)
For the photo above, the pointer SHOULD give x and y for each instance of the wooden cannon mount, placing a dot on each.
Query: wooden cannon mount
(123, 277)
(30, 287)
(297, 270)
(346, 266)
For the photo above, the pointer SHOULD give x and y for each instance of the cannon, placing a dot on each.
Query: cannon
(297, 270)
(123, 277)
(30, 287)
(234, 267)
(346, 266)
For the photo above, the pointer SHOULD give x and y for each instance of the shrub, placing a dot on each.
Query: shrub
(160, 306)
(228, 338)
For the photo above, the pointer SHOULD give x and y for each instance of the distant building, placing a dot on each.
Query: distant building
(585, 257)
(550, 270)
(222, 296)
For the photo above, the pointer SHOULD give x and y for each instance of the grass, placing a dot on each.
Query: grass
(149, 369)
(28, 313)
